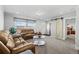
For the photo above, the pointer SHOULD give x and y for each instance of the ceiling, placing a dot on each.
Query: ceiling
(39, 11)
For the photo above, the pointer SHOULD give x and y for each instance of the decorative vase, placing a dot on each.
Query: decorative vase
(12, 30)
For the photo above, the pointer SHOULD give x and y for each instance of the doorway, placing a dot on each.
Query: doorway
(70, 29)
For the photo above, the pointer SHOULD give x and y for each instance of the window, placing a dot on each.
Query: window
(20, 22)
(24, 22)
(31, 23)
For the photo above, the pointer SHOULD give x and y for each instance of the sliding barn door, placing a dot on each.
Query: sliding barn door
(59, 28)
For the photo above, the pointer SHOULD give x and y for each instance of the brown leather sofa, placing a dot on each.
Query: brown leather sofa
(8, 45)
(27, 33)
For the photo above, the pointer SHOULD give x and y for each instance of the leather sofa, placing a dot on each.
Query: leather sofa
(27, 33)
(10, 45)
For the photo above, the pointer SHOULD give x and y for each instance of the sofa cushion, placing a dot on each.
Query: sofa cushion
(4, 37)
(10, 44)
(3, 48)
(22, 40)
(19, 41)
(22, 47)
(10, 37)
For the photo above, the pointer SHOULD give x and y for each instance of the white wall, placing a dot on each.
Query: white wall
(40, 26)
(9, 22)
(77, 29)
(1, 18)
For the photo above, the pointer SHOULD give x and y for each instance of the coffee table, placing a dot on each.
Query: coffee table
(39, 40)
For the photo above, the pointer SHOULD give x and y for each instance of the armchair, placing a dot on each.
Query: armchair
(10, 45)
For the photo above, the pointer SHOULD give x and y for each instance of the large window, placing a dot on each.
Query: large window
(20, 22)
(31, 23)
(24, 22)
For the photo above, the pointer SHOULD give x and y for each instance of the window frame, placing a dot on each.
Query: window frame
(26, 20)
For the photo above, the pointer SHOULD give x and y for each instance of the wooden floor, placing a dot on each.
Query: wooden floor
(56, 46)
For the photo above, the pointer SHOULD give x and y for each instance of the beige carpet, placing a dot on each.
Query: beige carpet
(56, 46)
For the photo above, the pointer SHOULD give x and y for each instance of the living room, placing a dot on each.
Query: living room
(38, 29)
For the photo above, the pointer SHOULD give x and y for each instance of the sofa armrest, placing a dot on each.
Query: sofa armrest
(4, 49)
(23, 47)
